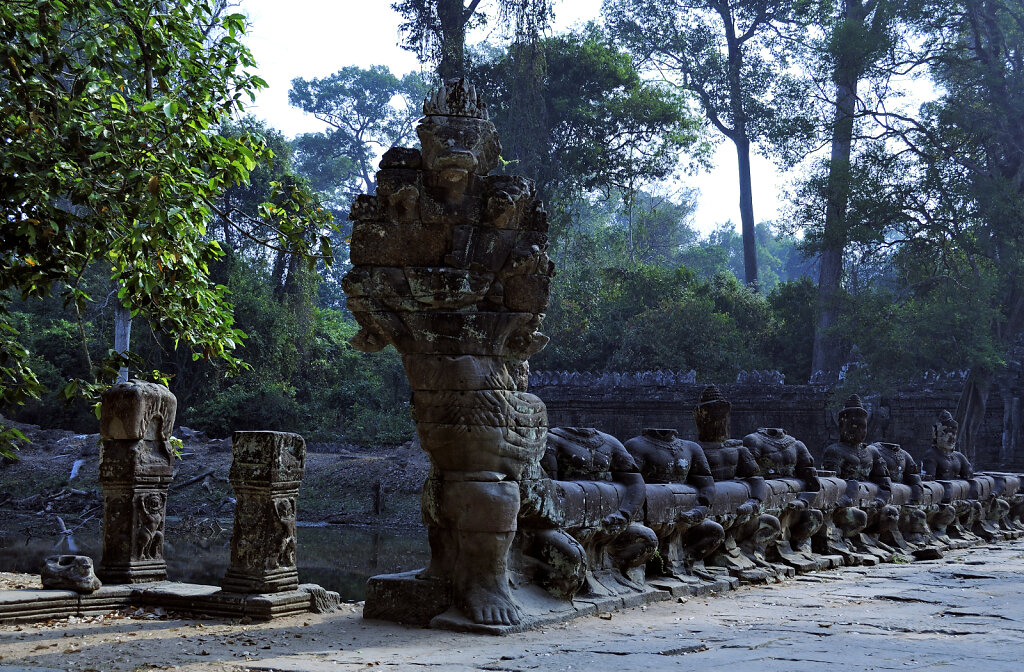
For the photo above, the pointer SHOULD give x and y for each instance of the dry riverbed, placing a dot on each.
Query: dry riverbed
(55, 477)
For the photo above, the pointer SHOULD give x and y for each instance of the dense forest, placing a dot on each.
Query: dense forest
(150, 225)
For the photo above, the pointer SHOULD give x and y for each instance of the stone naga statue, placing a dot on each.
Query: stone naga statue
(449, 267)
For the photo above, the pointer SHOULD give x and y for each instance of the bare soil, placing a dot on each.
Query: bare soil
(376, 486)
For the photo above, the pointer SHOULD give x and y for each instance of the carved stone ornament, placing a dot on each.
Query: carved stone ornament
(136, 467)
(266, 473)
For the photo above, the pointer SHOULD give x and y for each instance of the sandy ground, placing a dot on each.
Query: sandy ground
(965, 611)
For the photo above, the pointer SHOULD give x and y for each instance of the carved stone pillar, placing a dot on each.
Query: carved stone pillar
(266, 471)
(136, 420)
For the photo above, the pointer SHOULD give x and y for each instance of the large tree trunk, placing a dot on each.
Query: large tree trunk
(528, 138)
(122, 337)
(747, 213)
(452, 16)
(970, 410)
(827, 355)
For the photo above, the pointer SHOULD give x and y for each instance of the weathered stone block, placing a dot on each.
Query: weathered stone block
(69, 572)
(138, 410)
(136, 467)
(265, 474)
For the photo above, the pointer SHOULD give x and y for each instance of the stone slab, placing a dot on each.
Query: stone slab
(23, 606)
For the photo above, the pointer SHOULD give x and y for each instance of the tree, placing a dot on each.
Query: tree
(858, 36)
(368, 111)
(971, 142)
(601, 127)
(436, 29)
(110, 157)
(728, 55)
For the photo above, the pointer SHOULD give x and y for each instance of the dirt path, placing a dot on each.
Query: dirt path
(960, 612)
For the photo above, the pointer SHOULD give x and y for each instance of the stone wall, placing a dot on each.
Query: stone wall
(624, 404)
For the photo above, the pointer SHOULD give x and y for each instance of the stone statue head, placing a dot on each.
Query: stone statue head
(712, 415)
(457, 139)
(853, 421)
(944, 433)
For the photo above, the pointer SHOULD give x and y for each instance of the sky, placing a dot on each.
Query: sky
(315, 38)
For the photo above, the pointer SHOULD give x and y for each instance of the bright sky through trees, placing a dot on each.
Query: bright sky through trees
(314, 38)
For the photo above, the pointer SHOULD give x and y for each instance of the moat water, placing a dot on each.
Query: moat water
(336, 557)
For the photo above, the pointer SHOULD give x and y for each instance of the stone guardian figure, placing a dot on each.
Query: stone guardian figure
(449, 267)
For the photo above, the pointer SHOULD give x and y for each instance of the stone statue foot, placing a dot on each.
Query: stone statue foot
(486, 600)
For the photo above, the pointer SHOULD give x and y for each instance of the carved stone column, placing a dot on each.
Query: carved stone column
(136, 420)
(266, 471)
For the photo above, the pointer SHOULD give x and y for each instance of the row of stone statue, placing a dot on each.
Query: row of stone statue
(658, 512)
(757, 507)
(450, 267)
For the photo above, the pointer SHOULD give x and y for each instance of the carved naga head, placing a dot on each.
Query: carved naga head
(457, 139)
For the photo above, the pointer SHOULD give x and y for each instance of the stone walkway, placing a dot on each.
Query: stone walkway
(965, 611)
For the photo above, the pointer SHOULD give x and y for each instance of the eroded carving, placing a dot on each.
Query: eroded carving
(136, 420)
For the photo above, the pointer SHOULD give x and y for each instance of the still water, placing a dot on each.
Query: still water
(338, 558)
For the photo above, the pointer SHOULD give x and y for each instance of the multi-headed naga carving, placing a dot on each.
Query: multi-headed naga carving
(450, 268)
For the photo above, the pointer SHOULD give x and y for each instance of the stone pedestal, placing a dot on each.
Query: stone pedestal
(265, 473)
(136, 421)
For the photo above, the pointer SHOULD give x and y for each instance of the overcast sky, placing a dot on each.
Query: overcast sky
(314, 38)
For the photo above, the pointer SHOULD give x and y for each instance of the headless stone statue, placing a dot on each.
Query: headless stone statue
(780, 455)
(942, 461)
(901, 466)
(585, 454)
(663, 457)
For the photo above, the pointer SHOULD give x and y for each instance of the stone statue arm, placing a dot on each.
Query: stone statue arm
(700, 477)
(880, 472)
(747, 466)
(631, 506)
(880, 475)
(549, 463)
(965, 468)
(912, 477)
(805, 468)
(625, 471)
(928, 465)
(833, 459)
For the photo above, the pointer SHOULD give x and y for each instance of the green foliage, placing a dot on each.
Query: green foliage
(601, 126)
(789, 346)
(731, 58)
(435, 30)
(649, 317)
(779, 256)
(110, 158)
(367, 111)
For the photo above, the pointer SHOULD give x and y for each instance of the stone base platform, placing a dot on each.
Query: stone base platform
(22, 606)
(407, 599)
